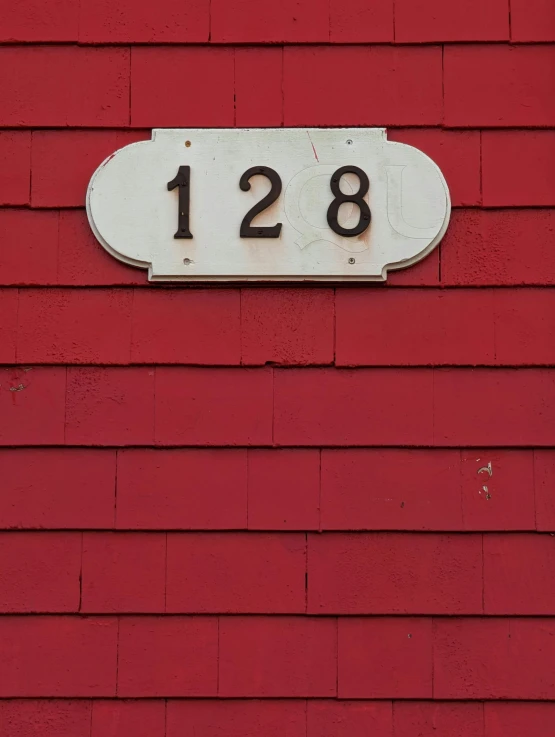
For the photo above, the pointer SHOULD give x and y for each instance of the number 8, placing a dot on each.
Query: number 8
(356, 198)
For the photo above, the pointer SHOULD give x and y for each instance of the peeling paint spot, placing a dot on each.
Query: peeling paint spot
(18, 388)
(488, 469)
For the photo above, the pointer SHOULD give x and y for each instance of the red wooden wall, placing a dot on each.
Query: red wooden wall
(259, 512)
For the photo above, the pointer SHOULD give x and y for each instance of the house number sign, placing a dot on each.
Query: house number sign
(289, 204)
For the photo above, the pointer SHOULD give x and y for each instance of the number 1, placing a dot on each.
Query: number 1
(183, 181)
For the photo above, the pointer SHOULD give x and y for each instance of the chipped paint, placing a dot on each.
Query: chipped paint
(487, 469)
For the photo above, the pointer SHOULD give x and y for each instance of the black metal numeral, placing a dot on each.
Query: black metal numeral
(356, 198)
(247, 230)
(183, 181)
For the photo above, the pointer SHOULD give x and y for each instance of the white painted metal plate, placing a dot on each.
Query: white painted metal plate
(135, 216)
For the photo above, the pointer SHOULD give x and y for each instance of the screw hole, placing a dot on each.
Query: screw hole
(188, 144)
(351, 261)
(187, 261)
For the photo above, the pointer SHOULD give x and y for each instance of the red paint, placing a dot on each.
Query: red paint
(284, 511)
(416, 327)
(182, 489)
(15, 167)
(353, 407)
(126, 718)
(30, 717)
(81, 259)
(236, 573)
(494, 658)
(360, 21)
(168, 656)
(197, 406)
(200, 326)
(373, 653)
(8, 326)
(49, 656)
(267, 657)
(511, 719)
(428, 719)
(530, 152)
(57, 488)
(35, 21)
(326, 718)
(418, 21)
(188, 98)
(248, 21)
(123, 572)
(109, 406)
(423, 274)
(498, 86)
(544, 475)
(287, 326)
(397, 94)
(392, 573)
(64, 86)
(40, 571)
(283, 489)
(134, 22)
(508, 247)
(390, 489)
(32, 403)
(67, 331)
(29, 252)
(237, 718)
(259, 68)
(457, 153)
(532, 20)
(474, 407)
(82, 151)
(517, 574)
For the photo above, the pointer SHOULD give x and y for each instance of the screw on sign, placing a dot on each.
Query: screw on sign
(269, 205)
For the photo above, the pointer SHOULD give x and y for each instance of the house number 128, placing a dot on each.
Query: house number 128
(183, 181)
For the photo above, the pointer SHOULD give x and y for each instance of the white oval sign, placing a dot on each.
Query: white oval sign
(290, 204)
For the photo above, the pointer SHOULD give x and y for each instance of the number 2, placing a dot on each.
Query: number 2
(247, 230)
